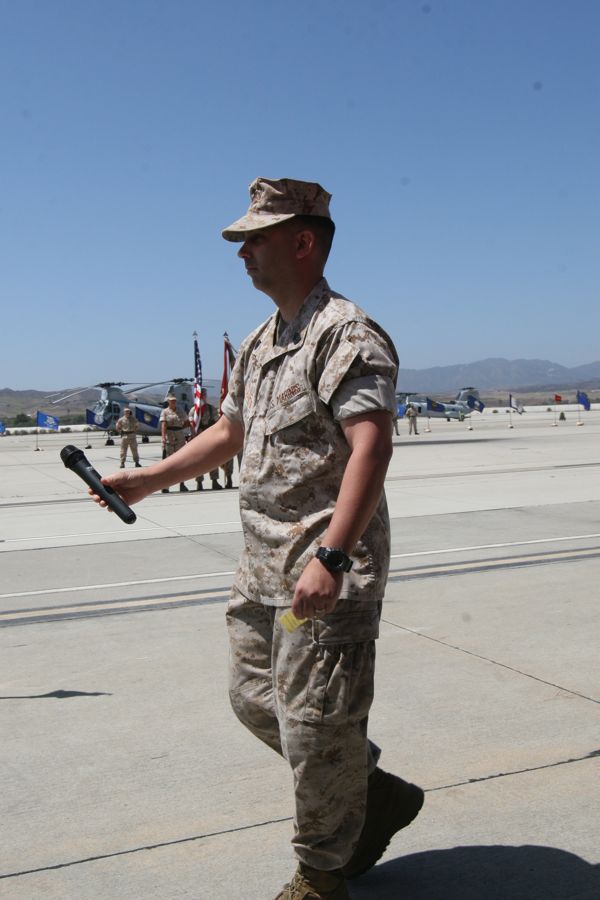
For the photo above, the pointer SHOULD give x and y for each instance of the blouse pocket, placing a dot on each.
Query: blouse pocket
(291, 412)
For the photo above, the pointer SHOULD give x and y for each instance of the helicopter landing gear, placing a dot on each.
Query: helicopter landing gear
(145, 439)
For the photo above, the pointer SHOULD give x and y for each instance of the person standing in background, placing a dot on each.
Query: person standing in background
(127, 427)
(174, 426)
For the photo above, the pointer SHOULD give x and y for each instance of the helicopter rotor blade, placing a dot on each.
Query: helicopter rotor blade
(74, 393)
(143, 387)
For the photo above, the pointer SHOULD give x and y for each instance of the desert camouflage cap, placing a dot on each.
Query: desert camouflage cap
(275, 200)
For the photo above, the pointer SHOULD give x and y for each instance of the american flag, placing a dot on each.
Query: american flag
(198, 408)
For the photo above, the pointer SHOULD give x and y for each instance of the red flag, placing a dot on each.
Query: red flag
(228, 361)
(557, 398)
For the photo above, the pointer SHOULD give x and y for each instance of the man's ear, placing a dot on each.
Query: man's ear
(305, 243)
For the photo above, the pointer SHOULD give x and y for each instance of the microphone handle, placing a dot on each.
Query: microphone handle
(106, 493)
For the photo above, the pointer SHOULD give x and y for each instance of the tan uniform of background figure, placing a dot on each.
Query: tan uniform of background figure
(174, 427)
(411, 415)
(127, 427)
(209, 417)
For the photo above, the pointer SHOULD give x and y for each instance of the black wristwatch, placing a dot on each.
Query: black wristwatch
(334, 559)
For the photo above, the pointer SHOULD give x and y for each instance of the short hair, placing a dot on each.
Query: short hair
(322, 228)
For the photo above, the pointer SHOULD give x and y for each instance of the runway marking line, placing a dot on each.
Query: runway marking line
(153, 526)
(123, 606)
(116, 584)
(195, 576)
(575, 537)
(101, 606)
(478, 565)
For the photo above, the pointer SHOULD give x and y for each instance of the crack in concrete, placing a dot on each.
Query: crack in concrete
(199, 837)
(488, 659)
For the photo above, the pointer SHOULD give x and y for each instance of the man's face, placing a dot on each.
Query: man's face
(270, 258)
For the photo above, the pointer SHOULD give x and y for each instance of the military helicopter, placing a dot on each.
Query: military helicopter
(462, 406)
(113, 400)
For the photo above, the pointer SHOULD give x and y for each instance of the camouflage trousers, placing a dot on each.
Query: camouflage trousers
(129, 442)
(307, 695)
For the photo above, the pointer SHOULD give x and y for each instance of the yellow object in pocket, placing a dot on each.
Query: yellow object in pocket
(290, 622)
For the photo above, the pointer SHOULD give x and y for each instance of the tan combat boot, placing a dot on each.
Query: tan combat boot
(313, 884)
(392, 804)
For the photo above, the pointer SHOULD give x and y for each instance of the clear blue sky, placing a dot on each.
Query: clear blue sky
(460, 140)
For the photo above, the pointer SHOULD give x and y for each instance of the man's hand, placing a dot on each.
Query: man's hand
(317, 591)
(131, 485)
(210, 449)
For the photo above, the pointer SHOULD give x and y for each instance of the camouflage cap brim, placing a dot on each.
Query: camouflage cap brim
(253, 222)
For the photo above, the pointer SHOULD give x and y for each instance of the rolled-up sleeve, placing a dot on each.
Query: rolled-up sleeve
(233, 404)
(359, 372)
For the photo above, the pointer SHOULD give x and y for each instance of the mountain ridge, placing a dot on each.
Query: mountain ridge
(497, 373)
(492, 374)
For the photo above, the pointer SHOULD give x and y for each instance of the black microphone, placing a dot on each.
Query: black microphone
(76, 460)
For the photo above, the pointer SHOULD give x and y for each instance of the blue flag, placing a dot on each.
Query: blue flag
(475, 403)
(146, 417)
(92, 419)
(46, 421)
(400, 410)
(2, 428)
(583, 399)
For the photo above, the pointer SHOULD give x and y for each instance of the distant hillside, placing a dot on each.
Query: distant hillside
(14, 402)
(488, 375)
(500, 374)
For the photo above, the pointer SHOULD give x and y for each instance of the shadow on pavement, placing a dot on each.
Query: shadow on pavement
(482, 873)
(57, 695)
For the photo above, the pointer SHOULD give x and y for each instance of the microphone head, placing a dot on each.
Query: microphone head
(71, 455)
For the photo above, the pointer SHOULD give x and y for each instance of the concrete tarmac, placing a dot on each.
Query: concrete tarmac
(125, 774)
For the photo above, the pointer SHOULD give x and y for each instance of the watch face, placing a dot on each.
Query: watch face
(335, 560)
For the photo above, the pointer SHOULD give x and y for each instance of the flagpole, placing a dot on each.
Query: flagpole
(428, 424)
(579, 422)
(555, 423)
(510, 421)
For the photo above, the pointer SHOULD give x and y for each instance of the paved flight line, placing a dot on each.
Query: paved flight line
(203, 575)
(83, 498)
(220, 595)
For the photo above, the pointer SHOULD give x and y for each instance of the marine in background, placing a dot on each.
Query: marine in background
(210, 416)
(174, 428)
(127, 427)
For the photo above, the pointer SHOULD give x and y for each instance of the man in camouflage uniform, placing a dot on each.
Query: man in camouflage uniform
(174, 426)
(311, 400)
(127, 427)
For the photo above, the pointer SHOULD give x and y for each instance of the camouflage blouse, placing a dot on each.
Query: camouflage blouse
(290, 388)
